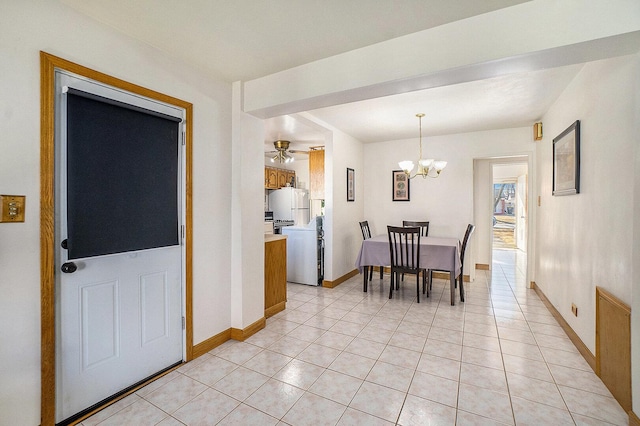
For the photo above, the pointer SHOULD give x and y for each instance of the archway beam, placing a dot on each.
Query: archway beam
(526, 37)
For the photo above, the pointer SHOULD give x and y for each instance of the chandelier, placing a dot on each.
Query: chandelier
(426, 168)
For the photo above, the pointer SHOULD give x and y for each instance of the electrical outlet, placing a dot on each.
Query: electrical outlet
(574, 309)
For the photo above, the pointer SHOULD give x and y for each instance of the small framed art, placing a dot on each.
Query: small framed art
(400, 186)
(351, 184)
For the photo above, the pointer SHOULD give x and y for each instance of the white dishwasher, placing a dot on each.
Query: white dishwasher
(302, 253)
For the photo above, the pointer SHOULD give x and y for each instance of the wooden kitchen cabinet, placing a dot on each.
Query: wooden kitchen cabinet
(275, 274)
(316, 174)
(275, 178)
(270, 178)
(282, 178)
(291, 177)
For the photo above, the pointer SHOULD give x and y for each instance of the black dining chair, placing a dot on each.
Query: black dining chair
(423, 225)
(404, 247)
(465, 241)
(366, 234)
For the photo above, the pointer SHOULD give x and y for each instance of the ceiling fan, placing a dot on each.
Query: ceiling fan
(282, 152)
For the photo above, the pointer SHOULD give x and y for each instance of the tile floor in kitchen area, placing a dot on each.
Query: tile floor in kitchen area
(341, 356)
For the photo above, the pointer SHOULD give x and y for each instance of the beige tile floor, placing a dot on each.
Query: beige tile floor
(344, 357)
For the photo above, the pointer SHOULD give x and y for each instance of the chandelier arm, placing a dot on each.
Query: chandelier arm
(425, 167)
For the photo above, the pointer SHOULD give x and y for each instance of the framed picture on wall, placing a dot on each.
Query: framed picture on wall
(566, 161)
(351, 184)
(400, 186)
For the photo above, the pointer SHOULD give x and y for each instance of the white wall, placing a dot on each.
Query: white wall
(346, 234)
(483, 211)
(586, 240)
(247, 218)
(27, 27)
(446, 202)
(506, 172)
(635, 279)
(301, 167)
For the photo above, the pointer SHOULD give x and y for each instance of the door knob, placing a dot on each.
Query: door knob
(69, 267)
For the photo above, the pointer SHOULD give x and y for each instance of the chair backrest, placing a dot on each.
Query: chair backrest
(366, 232)
(404, 247)
(424, 226)
(467, 235)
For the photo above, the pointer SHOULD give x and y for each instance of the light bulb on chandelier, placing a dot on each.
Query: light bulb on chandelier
(282, 157)
(426, 168)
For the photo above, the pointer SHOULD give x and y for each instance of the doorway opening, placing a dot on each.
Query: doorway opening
(509, 203)
(510, 199)
(504, 219)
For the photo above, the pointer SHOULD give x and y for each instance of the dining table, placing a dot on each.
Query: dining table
(436, 253)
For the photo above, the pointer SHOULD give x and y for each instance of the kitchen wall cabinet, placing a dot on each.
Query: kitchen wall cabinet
(291, 177)
(282, 178)
(275, 178)
(275, 274)
(316, 174)
(270, 178)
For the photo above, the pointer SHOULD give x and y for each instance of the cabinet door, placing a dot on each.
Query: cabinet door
(275, 277)
(291, 177)
(316, 175)
(272, 179)
(282, 178)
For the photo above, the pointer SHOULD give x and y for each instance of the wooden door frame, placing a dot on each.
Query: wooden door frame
(48, 65)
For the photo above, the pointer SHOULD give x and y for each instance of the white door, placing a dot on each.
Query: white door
(119, 273)
(521, 213)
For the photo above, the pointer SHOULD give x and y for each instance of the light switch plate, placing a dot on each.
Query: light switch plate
(12, 208)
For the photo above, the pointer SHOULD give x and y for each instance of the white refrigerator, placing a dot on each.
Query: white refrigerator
(290, 204)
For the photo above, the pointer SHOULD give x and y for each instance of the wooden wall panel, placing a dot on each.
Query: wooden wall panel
(613, 345)
(316, 174)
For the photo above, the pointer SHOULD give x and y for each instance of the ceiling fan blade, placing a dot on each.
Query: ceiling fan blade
(295, 151)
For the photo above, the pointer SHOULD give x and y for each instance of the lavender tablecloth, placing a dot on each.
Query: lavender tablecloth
(438, 253)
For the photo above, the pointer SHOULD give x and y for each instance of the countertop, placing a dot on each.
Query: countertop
(274, 237)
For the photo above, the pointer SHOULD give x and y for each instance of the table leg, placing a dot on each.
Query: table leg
(366, 276)
(452, 285)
